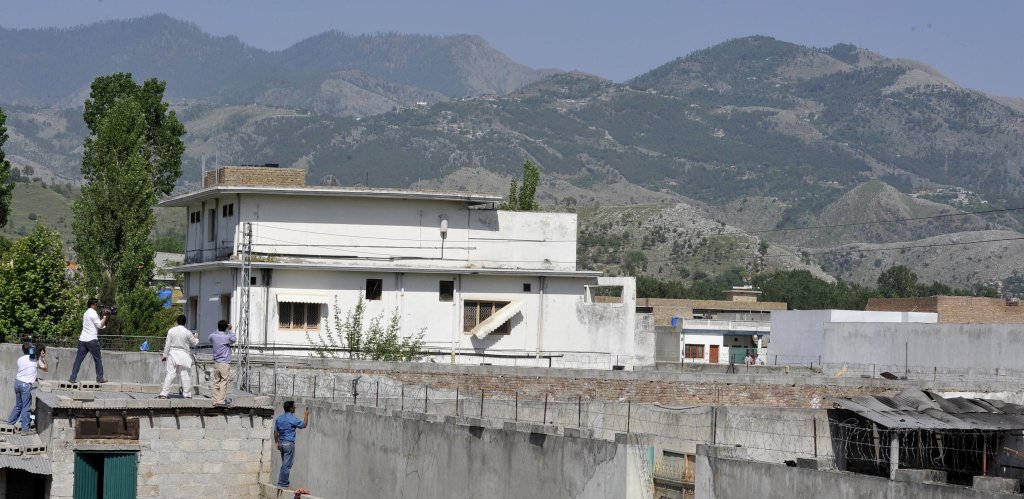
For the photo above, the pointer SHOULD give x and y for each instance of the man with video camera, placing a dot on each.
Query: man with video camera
(34, 360)
(89, 342)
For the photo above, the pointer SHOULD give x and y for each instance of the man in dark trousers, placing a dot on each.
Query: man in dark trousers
(88, 341)
(284, 436)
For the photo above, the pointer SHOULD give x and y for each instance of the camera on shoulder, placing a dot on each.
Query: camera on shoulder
(35, 346)
(108, 310)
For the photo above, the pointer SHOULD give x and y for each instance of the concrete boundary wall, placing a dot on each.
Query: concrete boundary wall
(365, 452)
(724, 473)
(331, 378)
(978, 348)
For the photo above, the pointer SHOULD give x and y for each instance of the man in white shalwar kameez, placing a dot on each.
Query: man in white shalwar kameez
(178, 356)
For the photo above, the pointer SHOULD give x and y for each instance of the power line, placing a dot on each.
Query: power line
(895, 220)
(914, 246)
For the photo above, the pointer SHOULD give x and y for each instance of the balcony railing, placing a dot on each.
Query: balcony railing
(727, 325)
(222, 252)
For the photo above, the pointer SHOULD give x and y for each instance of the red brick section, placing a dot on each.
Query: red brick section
(955, 309)
(761, 394)
(255, 176)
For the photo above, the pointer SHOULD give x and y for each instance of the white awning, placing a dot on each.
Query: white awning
(501, 316)
(281, 297)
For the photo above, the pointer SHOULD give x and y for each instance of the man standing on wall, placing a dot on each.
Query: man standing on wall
(89, 341)
(221, 340)
(178, 356)
(284, 436)
(28, 365)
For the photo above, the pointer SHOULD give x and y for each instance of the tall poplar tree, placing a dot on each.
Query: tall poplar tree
(132, 156)
(6, 184)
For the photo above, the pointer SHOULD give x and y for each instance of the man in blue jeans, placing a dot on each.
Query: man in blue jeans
(89, 342)
(284, 437)
(28, 365)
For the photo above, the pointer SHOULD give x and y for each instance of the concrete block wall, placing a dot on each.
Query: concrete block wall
(255, 176)
(225, 455)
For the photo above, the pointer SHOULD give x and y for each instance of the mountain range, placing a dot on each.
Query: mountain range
(330, 73)
(755, 136)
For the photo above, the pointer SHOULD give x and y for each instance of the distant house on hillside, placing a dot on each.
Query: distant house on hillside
(712, 331)
(475, 279)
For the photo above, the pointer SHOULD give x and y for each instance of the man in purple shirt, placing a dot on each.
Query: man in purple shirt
(221, 340)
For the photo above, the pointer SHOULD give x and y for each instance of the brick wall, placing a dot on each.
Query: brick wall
(954, 309)
(255, 176)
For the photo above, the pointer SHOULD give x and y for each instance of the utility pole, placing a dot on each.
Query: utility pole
(243, 332)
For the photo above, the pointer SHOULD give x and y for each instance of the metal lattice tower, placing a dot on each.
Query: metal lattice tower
(245, 252)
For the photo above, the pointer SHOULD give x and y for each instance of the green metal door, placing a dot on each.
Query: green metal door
(105, 476)
(88, 476)
(119, 476)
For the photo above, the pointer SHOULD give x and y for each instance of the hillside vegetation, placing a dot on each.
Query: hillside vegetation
(734, 145)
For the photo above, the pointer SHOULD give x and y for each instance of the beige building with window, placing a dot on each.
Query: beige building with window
(497, 285)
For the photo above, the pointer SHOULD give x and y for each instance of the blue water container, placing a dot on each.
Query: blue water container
(165, 297)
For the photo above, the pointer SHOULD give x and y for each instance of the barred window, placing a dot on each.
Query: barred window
(475, 312)
(298, 315)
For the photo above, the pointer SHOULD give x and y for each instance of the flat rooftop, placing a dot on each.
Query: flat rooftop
(188, 198)
(124, 396)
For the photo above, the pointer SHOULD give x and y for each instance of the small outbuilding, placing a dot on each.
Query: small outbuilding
(117, 440)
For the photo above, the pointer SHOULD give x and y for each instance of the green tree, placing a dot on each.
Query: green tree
(35, 295)
(524, 197)
(162, 147)
(897, 282)
(6, 182)
(142, 313)
(132, 155)
(114, 217)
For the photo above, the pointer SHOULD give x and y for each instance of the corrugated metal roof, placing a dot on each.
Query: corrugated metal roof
(38, 463)
(24, 452)
(915, 409)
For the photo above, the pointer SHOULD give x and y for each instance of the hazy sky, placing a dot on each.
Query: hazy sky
(977, 44)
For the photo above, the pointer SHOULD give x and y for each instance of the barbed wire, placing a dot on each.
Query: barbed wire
(764, 434)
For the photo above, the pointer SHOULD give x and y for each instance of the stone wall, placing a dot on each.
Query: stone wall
(955, 309)
(188, 456)
(255, 176)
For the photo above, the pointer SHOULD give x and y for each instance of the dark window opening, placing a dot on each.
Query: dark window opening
(252, 280)
(374, 289)
(212, 233)
(527, 287)
(446, 291)
(228, 210)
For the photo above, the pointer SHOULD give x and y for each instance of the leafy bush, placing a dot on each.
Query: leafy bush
(374, 342)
